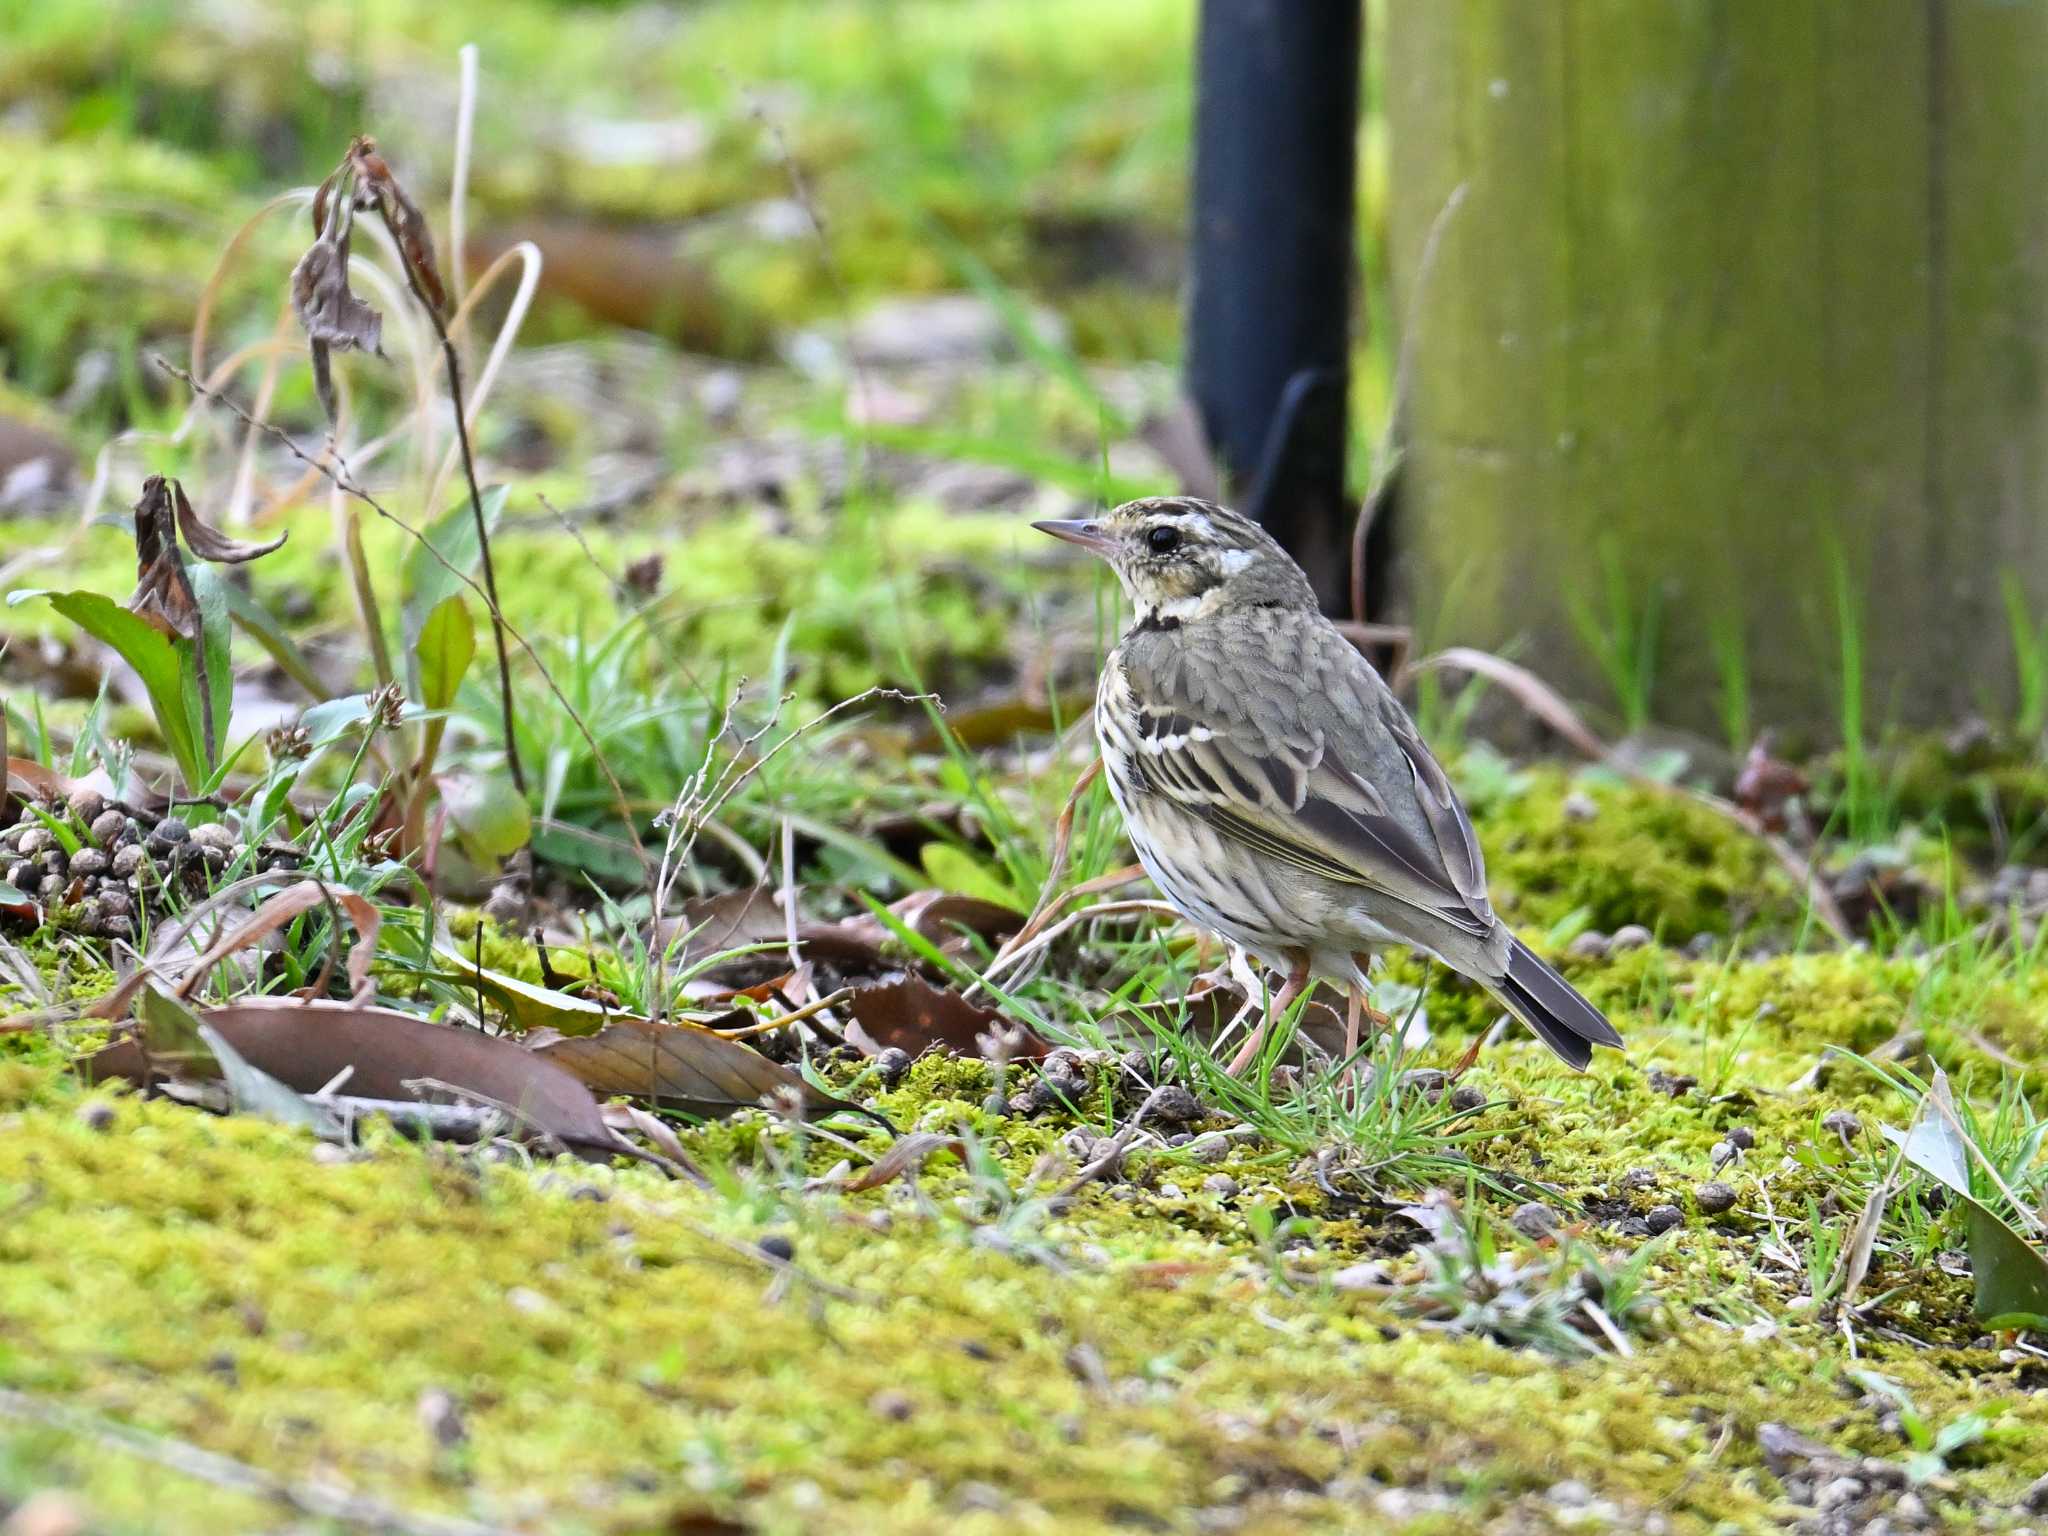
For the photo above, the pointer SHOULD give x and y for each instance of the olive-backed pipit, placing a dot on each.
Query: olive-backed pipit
(1274, 788)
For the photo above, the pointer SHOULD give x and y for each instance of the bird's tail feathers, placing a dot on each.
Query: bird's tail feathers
(1552, 1006)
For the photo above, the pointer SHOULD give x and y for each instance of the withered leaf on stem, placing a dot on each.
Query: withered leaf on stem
(163, 592)
(376, 184)
(330, 313)
(209, 543)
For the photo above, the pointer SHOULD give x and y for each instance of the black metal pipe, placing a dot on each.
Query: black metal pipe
(1276, 131)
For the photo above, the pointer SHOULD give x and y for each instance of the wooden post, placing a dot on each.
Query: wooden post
(1746, 309)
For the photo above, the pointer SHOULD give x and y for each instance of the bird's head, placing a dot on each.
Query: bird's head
(1181, 559)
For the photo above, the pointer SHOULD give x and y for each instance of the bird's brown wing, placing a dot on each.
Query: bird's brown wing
(1306, 759)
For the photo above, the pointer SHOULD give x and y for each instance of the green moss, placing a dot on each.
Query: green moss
(616, 1362)
(1975, 789)
(1645, 856)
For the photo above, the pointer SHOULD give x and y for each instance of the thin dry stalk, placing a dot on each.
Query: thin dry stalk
(315, 1500)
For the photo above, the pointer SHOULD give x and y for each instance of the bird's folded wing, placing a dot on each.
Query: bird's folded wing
(1301, 802)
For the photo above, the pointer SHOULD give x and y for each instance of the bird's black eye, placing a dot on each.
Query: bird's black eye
(1164, 539)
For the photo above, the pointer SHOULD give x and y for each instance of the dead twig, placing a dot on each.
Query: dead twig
(317, 1501)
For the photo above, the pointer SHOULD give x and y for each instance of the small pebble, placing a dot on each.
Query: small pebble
(1714, 1197)
(1741, 1136)
(21, 874)
(169, 832)
(1221, 1185)
(1209, 1147)
(1672, 1085)
(1172, 1192)
(1571, 1494)
(128, 859)
(1842, 1123)
(2035, 1500)
(107, 826)
(1467, 1097)
(1836, 1492)
(89, 863)
(1175, 1106)
(1662, 1218)
(1639, 1178)
(34, 841)
(52, 887)
(114, 901)
(996, 1104)
(213, 835)
(1590, 945)
(87, 805)
(1723, 1153)
(778, 1246)
(439, 1413)
(1629, 936)
(117, 928)
(1427, 1080)
(96, 1115)
(1535, 1220)
(1580, 806)
(892, 1066)
(891, 1404)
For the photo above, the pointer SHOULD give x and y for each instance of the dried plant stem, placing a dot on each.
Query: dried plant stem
(453, 363)
(316, 1500)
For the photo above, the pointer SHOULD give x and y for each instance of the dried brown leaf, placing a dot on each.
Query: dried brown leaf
(333, 318)
(307, 1045)
(1766, 786)
(163, 594)
(273, 914)
(683, 1066)
(208, 542)
(402, 216)
(908, 1013)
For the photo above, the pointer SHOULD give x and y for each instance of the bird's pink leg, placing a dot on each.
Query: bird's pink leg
(1297, 983)
(1358, 1012)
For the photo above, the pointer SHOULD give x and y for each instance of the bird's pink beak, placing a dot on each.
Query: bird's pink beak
(1086, 533)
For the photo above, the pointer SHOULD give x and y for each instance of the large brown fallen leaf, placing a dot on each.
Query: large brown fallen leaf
(908, 1013)
(308, 1045)
(683, 1066)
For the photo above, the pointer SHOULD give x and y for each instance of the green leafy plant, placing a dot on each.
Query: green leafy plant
(175, 630)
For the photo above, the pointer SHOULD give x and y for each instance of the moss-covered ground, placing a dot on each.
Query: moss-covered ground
(1562, 1302)
(1178, 1346)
